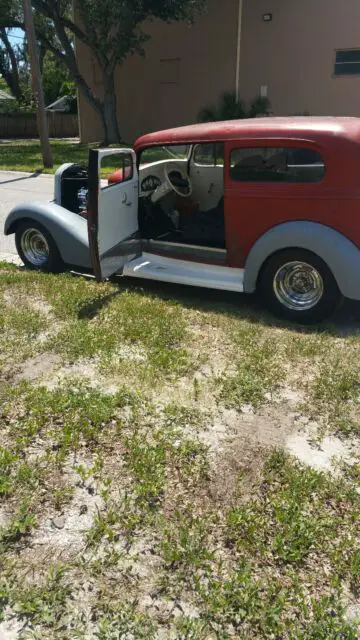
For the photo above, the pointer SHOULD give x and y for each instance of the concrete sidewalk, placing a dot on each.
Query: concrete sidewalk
(17, 187)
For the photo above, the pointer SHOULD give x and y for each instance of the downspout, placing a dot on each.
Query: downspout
(238, 50)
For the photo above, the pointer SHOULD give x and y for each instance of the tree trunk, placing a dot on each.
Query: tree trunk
(109, 110)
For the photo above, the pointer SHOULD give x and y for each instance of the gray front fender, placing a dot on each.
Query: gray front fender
(340, 254)
(68, 229)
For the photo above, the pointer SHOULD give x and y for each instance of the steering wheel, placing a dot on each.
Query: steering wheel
(178, 179)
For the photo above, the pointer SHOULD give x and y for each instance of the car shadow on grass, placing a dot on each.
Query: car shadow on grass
(90, 311)
(346, 321)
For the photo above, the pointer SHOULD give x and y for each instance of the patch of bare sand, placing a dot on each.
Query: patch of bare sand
(10, 629)
(84, 369)
(65, 529)
(239, 444)
(34, 369)
(89, 371)
(324, 455)
(15, 298)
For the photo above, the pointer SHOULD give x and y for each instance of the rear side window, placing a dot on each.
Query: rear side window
(275, 164)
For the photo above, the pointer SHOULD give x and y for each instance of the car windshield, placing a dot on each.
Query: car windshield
(169, 152)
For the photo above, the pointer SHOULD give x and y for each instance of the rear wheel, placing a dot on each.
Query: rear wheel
(37, 248)
(297, 285)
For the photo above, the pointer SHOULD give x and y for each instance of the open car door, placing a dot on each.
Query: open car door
(112, 210)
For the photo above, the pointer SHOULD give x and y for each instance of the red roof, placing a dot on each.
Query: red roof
(273, 127)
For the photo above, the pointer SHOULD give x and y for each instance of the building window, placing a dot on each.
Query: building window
(347, 62)
(275, 164)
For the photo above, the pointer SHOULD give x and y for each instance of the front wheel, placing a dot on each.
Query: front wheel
(297, 285)
(37, 248)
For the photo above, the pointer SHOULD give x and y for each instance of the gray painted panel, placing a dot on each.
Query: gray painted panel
(113, 260)
(68, 229)
(339, 253)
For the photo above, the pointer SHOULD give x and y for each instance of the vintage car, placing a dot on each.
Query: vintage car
(266, 205)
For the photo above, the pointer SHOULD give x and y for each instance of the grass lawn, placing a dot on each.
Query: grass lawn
(167, 469)
(25, 155)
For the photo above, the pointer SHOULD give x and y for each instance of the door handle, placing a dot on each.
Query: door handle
(128, 204)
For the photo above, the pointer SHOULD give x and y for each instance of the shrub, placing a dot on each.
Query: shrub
(229, 107)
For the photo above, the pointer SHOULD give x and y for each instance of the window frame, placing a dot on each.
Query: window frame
(140, 154)
(274, 143)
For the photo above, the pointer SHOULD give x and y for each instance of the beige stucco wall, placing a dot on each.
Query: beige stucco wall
(294, 54)
(200, 63)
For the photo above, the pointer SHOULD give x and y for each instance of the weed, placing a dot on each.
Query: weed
(185, 546)
(124, 621)
(334, 395)
(19, 330)
(190, 629)
(44, 605)
(62, 497)
(68, 414)
(292, 516)
(16, 474)
(258, 373)
(20, 527)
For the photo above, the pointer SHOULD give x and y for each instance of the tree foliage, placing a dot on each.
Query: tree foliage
(54, 75)
(112, 30)
(10, 55)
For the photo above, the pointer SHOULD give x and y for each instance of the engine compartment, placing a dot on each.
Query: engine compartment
(71, 188)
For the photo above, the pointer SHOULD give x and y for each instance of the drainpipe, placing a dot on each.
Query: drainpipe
(238, 50)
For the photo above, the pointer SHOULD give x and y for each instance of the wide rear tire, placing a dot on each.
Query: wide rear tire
(37, 248)
(297, 285)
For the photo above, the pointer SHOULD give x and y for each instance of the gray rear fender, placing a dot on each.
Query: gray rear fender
(68, 229)
(340, 254)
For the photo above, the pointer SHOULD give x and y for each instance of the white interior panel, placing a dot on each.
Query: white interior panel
(118, 205)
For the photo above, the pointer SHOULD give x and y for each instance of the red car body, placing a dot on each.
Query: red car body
(251, 209)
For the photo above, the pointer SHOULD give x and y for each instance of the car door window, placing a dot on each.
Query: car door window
(115, 169)
(204, 155)
(276, 164)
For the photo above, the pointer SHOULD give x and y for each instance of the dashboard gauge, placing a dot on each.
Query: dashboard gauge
(150, 183)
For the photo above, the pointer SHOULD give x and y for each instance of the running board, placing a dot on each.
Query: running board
(154, 267)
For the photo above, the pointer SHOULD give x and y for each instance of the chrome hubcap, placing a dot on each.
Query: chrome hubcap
(35, 247)
(298, 286)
